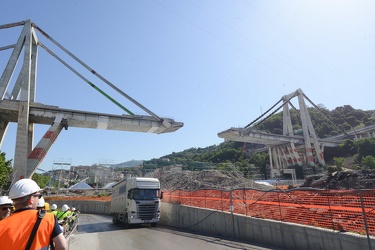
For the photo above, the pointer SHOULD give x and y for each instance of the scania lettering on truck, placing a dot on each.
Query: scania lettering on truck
(136, 200)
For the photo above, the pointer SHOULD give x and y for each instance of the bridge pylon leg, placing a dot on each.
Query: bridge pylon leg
(24, 84)
(41, 149)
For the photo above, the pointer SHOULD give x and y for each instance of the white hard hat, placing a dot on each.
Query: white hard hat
(53, 207)
(64, 208)
(40, 202)
(23, 188)
(4, 200)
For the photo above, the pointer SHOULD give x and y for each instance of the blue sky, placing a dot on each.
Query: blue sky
(212, 64)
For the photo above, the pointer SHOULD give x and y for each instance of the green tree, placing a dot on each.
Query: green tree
(352, 121)
(5, 170)
(332, 169)
(349, 147)
(229, 154)
(338, 161)
(260, 160)
(368, 161)
(41, 180)
(324, 129)
(277, 131)
(227, 166)
(359, 114)
(366, 146)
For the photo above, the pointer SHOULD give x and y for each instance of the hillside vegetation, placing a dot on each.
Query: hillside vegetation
(240, 157)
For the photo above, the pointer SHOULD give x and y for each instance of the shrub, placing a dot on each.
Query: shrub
(368, 161)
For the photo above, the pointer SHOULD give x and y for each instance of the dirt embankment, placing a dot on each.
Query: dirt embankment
(343, 180)
(227, 180)
(207, 179)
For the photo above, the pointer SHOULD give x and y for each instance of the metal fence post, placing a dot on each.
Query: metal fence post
(190, 194)
(329, 206)
(244, 201)
(278, 198)
(205, 198)
(222, 201)
(364, 212)
(231, 212)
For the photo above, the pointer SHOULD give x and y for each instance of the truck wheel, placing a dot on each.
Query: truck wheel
(154, 224)
(114, 219)
(126, 221)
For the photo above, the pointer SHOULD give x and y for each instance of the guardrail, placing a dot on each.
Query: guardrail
(70, 225)
(345, 211)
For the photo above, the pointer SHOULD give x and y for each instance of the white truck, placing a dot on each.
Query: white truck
(136, 200)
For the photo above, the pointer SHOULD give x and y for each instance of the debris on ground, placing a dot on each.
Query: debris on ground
(207, 179)
(342, 180)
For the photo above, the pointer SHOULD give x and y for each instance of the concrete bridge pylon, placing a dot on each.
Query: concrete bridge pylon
(287, 149)
(24, 92)
(292, 148)
(18, 105)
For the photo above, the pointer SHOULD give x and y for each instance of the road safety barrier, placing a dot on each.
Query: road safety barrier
(342, 210)
(70, 225)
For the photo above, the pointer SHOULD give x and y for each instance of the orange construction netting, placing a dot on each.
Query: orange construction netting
(334, 209)
(77, 198)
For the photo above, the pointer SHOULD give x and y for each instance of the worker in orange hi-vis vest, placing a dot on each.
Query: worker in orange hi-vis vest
(27, 227)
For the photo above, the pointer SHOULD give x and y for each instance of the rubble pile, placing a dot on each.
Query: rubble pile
(227, 180)
(207, 179)
(342, 180)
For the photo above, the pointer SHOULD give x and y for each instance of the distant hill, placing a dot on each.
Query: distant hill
(128, 164)
(230, 155)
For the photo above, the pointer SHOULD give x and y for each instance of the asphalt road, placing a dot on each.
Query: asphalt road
(98, 232)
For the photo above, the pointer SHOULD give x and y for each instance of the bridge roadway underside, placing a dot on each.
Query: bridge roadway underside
(259, 137)
(44, 114)
(239, 227)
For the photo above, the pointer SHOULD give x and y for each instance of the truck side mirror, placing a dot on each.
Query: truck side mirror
(161, 195)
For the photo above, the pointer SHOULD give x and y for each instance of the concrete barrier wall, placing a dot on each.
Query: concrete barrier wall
(239, 227)
(90, 207)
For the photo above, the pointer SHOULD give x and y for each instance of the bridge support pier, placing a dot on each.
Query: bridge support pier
(25, 88)
(20, 106)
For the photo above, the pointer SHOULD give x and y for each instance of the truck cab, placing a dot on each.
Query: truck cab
(136, 200)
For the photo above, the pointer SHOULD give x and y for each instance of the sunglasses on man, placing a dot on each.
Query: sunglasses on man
(6, 208)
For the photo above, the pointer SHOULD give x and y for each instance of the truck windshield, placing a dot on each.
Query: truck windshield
(146, 194)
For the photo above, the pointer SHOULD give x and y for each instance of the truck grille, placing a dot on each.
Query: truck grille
(147, 211)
